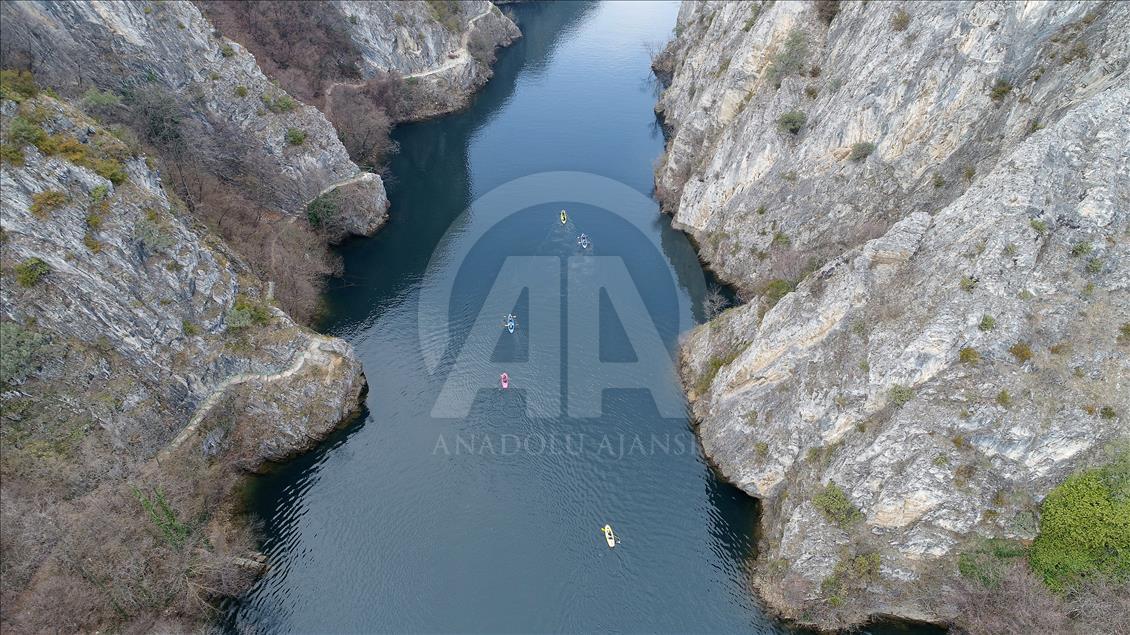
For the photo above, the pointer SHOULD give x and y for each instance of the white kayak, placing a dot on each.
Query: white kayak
(609, 537)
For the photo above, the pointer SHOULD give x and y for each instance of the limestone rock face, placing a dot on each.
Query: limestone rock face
(430, 44)
(950, 349)
(240, 120)
(165, 312)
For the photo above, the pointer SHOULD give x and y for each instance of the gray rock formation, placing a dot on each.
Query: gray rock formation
(950, 349)
(438, 47)
(236, 112)
(134, 344)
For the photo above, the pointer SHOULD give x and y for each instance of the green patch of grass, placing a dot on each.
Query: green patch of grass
(775, 290)
(17, 85)
(968, 356)
(189, 328)
(322, 210)
(988, 323)
(781, 239)
(789, 59)
(1040, 226)
(1004, 399)
(1081, 248)
(712, 367)
(988, 559)
(12, 153)
(240, 91)
(967, 284)
(1094, 265)
(31, 271)
(792, 121)
(227, 50)
(836, 507)
(939, 180)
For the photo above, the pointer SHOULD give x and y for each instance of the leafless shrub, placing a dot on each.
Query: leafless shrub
(1018, 604)
(303, 45)
(481, 47)
(362, 117)
(1101, 605)
(714, 302)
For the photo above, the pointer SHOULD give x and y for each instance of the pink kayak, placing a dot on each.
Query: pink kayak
(505, 379)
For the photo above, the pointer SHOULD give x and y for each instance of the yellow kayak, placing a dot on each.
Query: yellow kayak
(564, 217)
(609, 537)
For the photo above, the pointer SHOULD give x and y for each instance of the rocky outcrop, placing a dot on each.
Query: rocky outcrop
(443, 49)
(240, 122)
(130, 334)
(933, 249)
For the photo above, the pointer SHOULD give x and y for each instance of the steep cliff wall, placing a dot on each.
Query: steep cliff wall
(142, 360)
(933, 243)
(443, 49)
(240, 120)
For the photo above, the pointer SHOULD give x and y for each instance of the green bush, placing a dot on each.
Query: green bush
(31, 271)
(280, 104)
(969, 356)
(295, 137)
(22, 132)
(245, 312)
(152, 236)
(967, 284)
(1094, 265)
(1081, 248)
(227, 51)
(12, 153)
(900, 395)
(1085, 527)
(861, 150)
(792, 121)
(1004, 399)
(21, 350)
(939, 180)
(1040, 226)
(789, 59)
(163, 517)
(833, 502)
(322, 210)
(781, 239)
(17, 85)
(988, 323)
(1001, 88)
(240, 91)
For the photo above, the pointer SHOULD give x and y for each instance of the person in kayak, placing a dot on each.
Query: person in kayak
(583, 241)
(504, 379)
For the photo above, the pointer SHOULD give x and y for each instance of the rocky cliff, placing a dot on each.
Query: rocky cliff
(926, 208)
(236, 122)
(135, 344)
(443, 49)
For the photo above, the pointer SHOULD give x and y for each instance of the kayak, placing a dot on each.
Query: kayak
(511, 322)
(564, 217)
(583, 242)
(504, 380)
(510, 326)
(609, 537)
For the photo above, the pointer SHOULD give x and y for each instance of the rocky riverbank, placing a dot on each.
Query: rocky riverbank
(924, 207)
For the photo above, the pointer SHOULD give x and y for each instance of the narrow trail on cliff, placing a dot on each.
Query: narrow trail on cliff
(461, 56)
(312, 350)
